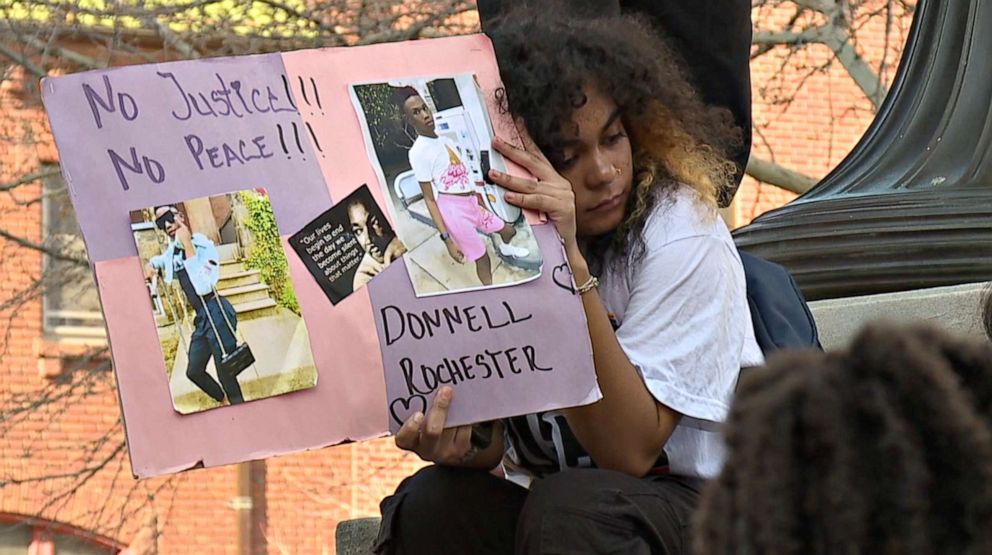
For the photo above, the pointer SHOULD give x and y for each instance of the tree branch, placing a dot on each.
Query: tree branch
(172, 39)
(826, 7)
(414, 30)
(42, 248)
(787, 38)
(838, 40)
(859, 70)
(779, 176)
(65, 53)
(23, 61)
(309, 17)
(28, 179)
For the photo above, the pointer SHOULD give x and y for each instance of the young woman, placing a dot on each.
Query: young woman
(627, 163)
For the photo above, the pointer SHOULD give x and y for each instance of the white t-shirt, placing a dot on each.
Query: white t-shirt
(681, 315)
(439, 161)
(684, 323)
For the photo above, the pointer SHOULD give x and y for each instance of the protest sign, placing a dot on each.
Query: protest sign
(133, 140)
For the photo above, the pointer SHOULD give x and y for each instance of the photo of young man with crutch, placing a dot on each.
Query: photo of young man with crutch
(193, 260)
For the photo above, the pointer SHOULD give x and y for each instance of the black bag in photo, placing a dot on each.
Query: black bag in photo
(236, 361)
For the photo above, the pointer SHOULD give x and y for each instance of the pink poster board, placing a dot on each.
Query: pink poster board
(141, 136)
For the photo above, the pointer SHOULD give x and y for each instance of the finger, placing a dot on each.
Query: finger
(514, 183)
(536, 164)
(408, 436)
(538, 201)
(446, 451)
(433, 427)
(397, 251)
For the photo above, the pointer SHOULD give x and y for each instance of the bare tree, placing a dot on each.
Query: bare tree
(847, 32)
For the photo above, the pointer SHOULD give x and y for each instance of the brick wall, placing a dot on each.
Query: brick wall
(810, 130)
(301, 496)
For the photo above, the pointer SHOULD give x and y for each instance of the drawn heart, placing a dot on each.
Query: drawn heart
(401, 408)
(567, 283)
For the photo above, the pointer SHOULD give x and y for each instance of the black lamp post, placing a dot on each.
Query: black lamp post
(911, 206)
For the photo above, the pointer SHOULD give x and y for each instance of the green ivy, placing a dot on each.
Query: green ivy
(384, 119)
(266, 254)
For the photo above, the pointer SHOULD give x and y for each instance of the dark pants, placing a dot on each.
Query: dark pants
(203, 345)
(712, 36)
(453, 511)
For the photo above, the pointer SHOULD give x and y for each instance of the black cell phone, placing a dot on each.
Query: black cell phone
(482, 435)
(484, 161)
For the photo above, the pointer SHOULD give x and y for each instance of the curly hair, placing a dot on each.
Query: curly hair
(547, 58)
(884, 448)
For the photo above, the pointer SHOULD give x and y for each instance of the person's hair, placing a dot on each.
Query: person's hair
(357, 202)
(172, 207)
(546, 60)
(883, 448)
(401, 95)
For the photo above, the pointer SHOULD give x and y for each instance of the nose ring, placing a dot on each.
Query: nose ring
(619, 171)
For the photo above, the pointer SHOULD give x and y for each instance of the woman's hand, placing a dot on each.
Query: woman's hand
(394, 250)
(431, 441)
(183, 234)
(548, 192)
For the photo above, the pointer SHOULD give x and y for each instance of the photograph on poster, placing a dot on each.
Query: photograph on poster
(430, 141)
(348, 245)
(229, 324)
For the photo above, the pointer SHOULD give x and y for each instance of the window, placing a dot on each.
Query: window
(71, 304)
(20, 535)
(14, 538)
(70, 545)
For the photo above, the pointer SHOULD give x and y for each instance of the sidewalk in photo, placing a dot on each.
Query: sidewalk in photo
(283, 362)
(432, 269)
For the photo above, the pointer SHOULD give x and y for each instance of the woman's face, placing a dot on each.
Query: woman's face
(358, 216)
(597, 161)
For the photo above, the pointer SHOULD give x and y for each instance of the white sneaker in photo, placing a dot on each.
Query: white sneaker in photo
(507, 249)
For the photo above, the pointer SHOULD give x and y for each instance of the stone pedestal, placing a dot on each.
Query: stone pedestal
(956, 309)
(911, 206)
